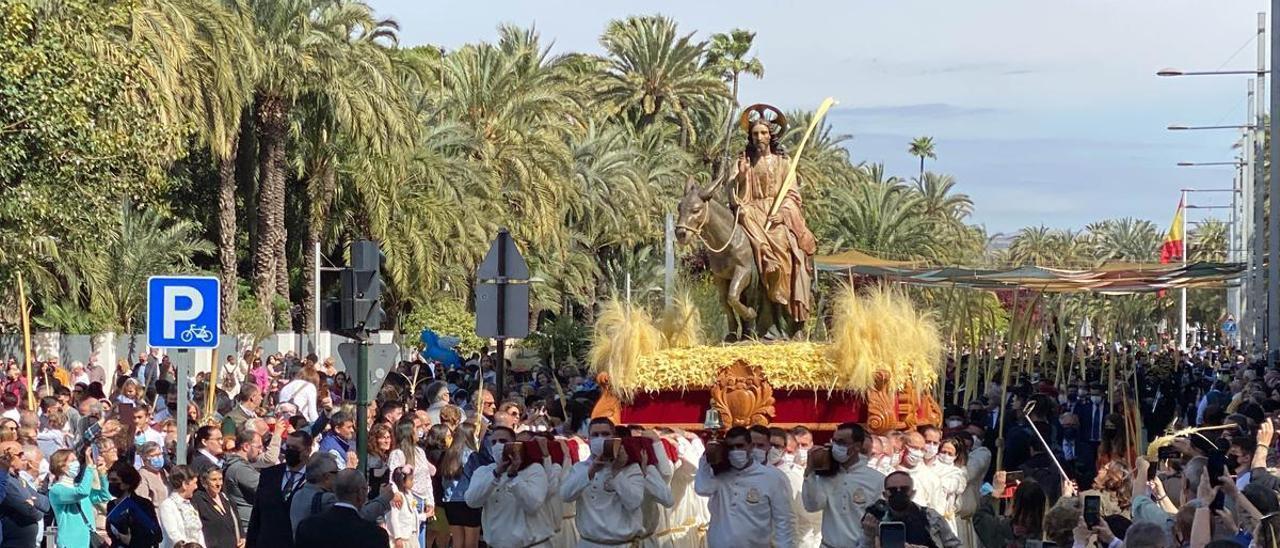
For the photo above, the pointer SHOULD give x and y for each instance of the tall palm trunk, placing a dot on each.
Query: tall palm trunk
(227, 233)
(271, 114)
(321, 202)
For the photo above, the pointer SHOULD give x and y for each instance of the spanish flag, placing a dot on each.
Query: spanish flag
(1171, 249)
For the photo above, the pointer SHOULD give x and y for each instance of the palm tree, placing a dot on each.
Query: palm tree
(654, 72)
(1208, 241)
(1034, 245)
(940, 200)
(922, 147)
(727, 54)
(1125, 239)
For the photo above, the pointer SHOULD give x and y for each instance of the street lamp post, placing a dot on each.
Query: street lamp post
(1233, 230)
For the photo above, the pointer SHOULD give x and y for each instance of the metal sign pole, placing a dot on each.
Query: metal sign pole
(500, 365)
(362, 404)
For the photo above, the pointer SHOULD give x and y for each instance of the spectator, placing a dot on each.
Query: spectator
(924, 526)
(407, 452)
(248, 401)
(269, 523)
(76, 488)
(380, 445)
(179, 520)
(337, 441)
(302, 393)
(240, 479)
(155, 481)
(54, 436)
(317, 495)
(1027, 517)
(437, 397)
(457, 465)
(405, 523)
(220, 517)
(208, 449)
(131, 520)
(341, 525)
(22, 508)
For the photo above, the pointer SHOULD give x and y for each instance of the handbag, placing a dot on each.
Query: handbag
(95, 540)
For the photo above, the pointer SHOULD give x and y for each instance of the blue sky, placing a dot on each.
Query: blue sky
(1046, 113)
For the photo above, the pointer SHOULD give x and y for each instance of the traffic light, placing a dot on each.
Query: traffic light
(358, 308)
(362, 287)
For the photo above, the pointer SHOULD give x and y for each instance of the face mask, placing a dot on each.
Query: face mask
(775, 456)
(156, 462)
(760, 455)
(802, 457)
(139, 440)
(788, 458)
(913, 457)
(899, 500)
(73, 469)
(840, 453)
(1095, 399)
(495, 451)
(955, 423)
(930, 450)
(946, 459)
(597, 446)
(739, 458)
(292, 456)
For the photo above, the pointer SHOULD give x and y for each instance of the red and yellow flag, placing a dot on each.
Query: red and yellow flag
(1171, 249)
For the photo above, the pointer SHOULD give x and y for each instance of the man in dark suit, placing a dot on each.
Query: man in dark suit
(341, 526)
(1092, 414)
(269, 525)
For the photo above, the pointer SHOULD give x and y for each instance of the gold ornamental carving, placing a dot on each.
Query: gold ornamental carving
(742, 396)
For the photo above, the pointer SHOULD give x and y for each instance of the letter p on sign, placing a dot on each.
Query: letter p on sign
(183, 312)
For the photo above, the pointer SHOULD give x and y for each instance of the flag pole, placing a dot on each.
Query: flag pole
(1182, 300)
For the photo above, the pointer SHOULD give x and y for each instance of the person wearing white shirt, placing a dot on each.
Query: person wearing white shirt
(750, 502)
(782, 455)
(952, 480)
(688, 516)
(551, 513)
(611, 491)
(976, 463)
(511, 495)
(657, 489)
(179, 521)
(843, 497)
(301, 392)
(924, 479)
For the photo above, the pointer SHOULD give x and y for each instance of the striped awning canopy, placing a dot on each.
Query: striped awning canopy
(1111, 278)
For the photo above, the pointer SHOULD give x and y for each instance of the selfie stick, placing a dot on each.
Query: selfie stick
(1026, 411)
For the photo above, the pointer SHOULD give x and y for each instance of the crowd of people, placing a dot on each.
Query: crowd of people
(272, 461)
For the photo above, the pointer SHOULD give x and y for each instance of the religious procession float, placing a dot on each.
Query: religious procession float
(878, 367)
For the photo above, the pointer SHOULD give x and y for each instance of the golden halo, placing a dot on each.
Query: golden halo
(769, 114)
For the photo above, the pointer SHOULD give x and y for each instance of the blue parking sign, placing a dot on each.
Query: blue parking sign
(183, 311)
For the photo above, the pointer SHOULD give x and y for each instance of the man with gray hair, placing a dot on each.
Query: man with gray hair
(318, 494)
(343, 524)
(1144, 534)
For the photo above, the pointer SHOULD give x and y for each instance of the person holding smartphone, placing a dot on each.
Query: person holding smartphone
(922, 525)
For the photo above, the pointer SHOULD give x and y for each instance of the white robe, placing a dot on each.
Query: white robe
(750, 508)
(610, 508)
(808, 524)
(843, 498)
(511, 506)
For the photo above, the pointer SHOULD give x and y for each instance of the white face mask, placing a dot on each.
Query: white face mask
(775, 456)
(43, 468)
(802, 457)
(1095, 399)
(597, 446)
(955, 423)
(760, 456)
(930, 450)
(789, 458)
(840, 453)
(495, 451)
(913, 457)
(73, 468)
(739, 458)
(947, 459)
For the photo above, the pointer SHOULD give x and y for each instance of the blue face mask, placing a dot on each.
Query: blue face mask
(156, 462)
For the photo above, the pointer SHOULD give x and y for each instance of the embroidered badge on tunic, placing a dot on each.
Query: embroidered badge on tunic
(753, 496)
(859, 497)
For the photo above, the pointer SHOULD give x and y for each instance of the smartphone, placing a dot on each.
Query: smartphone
(610, 449)
(1219, 502)
(1013, 476)
(1092, 510)
(1216, 467)
(1152, 468)
(893, 534)
(1168, 452)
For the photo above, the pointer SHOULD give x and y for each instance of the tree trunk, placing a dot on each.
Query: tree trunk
(271, 114)
(227, 235)
(321, 203)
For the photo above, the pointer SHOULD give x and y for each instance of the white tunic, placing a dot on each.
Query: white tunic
(925, 482)
(610, 503)
(511, 505)
(179, 521)
(843, 498)
(945, 498)
(749, 507)
(808, 524)
(688, 516)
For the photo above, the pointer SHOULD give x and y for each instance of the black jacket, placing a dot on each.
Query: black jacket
(136, 517)
(220, 527)
(341, 527)
(269, 525)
